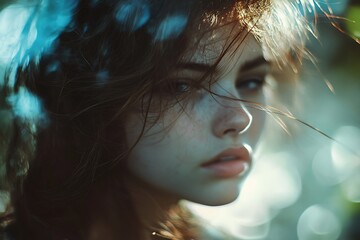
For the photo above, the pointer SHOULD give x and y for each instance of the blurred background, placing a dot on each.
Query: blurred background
(306, 182)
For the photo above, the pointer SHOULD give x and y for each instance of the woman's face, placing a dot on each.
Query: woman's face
(201, 152)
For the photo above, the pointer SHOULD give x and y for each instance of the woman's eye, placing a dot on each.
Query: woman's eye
(182, 87)
(250, 84)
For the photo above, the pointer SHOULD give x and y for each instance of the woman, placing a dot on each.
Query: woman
(146, 103)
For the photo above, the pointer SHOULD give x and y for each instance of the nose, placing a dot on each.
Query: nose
(231, 121)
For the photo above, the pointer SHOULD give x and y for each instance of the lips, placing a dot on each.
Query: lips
(229, 163)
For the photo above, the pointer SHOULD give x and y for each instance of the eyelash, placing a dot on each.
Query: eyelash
(182, 86)
(246, 85)
(251, 84)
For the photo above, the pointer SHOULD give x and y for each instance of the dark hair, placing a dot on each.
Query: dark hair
(111, 57)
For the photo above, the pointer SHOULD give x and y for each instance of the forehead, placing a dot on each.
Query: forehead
(230, 42)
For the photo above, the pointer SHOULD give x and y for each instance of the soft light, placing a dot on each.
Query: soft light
(274, 184)
(317, 222)
(346, 152)
(324, 169)
(170, 27)
(26, 105)
(11, 29)
(133, 14)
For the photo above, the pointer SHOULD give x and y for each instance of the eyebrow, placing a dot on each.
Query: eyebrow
(203, 67)
(198, 67)
(253, 63)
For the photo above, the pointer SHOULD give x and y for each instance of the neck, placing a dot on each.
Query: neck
(151, 204)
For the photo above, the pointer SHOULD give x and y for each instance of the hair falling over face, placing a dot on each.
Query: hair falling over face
(118, 87)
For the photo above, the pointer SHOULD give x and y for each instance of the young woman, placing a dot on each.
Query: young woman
(145, 103)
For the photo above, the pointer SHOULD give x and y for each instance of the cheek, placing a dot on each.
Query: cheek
(147, 159)
(151, 131)
(157, 151)
(165, 158)
(258, 120)
(258, 125)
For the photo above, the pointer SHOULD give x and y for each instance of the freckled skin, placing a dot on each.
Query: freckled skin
(170, 160)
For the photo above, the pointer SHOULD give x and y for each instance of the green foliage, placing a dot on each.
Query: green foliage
(353, 25)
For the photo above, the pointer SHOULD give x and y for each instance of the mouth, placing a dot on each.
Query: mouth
(230, 163)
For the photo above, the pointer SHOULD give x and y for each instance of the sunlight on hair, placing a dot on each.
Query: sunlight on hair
(284, 15)
(317, 222)
(335, 7)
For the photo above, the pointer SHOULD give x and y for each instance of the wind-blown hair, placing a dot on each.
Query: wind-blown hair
(65, 170)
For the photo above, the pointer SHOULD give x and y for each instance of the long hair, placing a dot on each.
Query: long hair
(112, 57)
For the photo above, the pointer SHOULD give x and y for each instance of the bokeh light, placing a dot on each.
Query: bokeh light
(351, 188)
(318, 223)
(346, 153)
(324, 168)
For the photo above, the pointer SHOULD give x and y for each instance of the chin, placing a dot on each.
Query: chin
(220, 202)
(219, 198)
